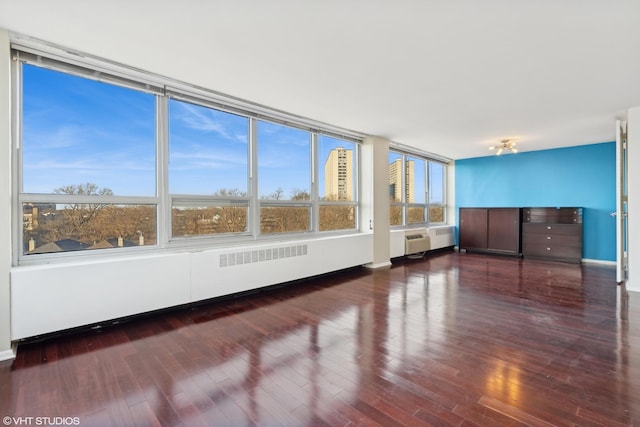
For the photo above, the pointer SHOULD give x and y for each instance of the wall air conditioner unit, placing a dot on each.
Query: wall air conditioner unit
(416, 242)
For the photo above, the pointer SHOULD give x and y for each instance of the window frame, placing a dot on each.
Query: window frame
(164, 89)
(426, 207)
(199, 199)
(442, 205)
(20, 197)
(322, 202)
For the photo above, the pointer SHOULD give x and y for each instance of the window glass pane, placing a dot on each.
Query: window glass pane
(335, 169)
(395, 177)
(213, 218)
(50, 227)
(76, 130)
(395, 215)
(283, 162)
(207, 151)
(337, 218)
(436, 182)
(284, 219)
(436, 213)
(415, 180)
(415, 214)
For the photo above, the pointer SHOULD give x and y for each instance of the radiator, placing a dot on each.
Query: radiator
(441, 236)
(415, 243)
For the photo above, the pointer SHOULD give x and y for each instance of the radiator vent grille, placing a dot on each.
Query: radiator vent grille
(261, 255)
(443, 231)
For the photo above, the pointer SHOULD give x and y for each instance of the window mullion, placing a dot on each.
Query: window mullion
(254, 204)
(17, 96)
(405, 209)
(427, 171)
(314, 192)
(162, 170)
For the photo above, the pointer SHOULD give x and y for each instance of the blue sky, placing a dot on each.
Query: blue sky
(77, 130)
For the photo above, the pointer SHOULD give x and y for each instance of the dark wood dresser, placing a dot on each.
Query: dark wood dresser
(552, 233)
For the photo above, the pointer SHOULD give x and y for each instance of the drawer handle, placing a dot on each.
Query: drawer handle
(548, 227)
(548, 249)
(548, 237)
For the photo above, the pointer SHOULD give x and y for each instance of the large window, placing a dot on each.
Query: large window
(284, 178)
(208, 170)
(416, 190)
(337, 184)
(437, 201)
(105, 161)
(396, 188)
(88, 164)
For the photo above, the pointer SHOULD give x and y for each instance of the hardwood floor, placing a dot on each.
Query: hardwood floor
(452, 339)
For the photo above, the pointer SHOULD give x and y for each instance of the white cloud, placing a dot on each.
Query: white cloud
(197, 118)
(207, 159)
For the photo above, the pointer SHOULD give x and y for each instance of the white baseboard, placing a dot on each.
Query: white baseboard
(378, 265)
(598, 261)
(8, 354)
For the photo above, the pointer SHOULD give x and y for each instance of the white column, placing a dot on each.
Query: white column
(375, 197)
(633, 193)
(5, 196)
(451, 193)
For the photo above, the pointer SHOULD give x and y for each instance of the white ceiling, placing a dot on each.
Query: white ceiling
(447, 76)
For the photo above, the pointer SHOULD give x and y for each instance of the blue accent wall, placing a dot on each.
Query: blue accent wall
(581, 176)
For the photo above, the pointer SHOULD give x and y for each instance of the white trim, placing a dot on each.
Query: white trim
(417, 152)
(599, 261)
(377, 265)
(8, 354)
(6, 195)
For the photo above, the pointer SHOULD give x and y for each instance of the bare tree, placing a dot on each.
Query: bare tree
(276, 195)
(230, 192)
(79, 218)
(298, 194)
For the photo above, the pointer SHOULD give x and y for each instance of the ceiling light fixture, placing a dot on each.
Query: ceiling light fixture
(504, 143)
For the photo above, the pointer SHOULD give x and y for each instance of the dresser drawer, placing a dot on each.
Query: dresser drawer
(573, 239)
(548, 229)
(554, 215)
(541, 249)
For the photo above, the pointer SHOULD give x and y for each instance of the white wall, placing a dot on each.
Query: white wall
(633, 193)
(5, 195)
(375, 197)
(54, 297)
(451, 193)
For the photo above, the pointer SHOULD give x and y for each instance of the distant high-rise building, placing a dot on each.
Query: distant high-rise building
(338, 175)
(395, 181)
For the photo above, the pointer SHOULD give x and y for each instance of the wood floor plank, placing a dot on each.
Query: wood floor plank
(450, 339)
